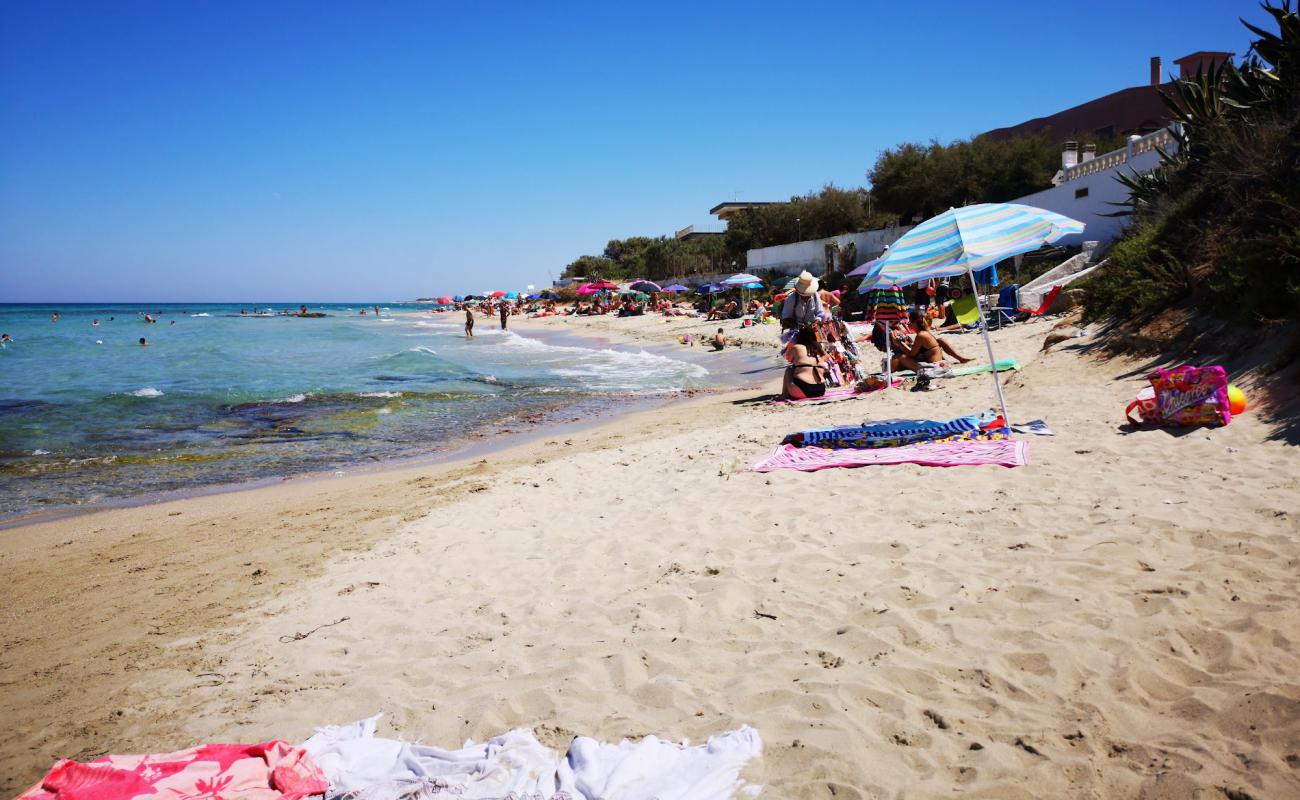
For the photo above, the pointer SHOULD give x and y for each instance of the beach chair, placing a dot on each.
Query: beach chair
(966, 311)
(1048, 300)
(1007, 307)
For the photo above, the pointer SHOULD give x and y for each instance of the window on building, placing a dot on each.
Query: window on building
(1079, 194)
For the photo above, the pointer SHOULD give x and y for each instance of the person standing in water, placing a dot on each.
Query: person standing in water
(376, 311)
(469, 323)
(505, 314)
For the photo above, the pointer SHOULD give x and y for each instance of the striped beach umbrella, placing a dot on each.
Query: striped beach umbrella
(741, 279)
(966, 240)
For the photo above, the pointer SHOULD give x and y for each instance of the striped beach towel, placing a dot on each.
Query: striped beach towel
(889, 433)
(1003, 452)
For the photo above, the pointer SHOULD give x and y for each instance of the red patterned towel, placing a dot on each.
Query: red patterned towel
(1006, 453)
(838, 393)
(267, 771)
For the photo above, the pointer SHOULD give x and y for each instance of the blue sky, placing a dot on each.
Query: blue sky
(325, 151)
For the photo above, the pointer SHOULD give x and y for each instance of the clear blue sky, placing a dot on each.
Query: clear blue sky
(326, 151)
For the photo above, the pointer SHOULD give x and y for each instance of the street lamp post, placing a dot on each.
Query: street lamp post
(799, 222)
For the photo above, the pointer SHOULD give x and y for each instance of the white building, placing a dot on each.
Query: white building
(1087, 189)
(820, 255)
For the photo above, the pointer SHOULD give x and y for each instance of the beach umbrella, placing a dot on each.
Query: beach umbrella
(444, 300)
(741, 279)
(676, 287)
(640, 296)
(496, 294)
(645, 286)
(534, 297)
(964, 241)
(864, 269)
(711, 288)
(548, 295)
(460, 298)
(752, 286)
(512, 295)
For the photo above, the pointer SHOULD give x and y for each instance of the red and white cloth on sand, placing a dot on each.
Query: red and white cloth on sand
(268, 771)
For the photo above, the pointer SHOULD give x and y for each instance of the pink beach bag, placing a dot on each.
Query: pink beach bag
(1183, 397)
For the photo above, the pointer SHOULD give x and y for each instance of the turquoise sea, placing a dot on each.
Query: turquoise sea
(89, 417)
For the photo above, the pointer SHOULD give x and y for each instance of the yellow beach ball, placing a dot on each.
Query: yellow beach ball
(1236, 400)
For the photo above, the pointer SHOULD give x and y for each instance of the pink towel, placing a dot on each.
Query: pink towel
(267, 771)
(1007, 453)
(838, 393)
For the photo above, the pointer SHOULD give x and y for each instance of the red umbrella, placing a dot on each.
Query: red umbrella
(497, 294)
(444, 300)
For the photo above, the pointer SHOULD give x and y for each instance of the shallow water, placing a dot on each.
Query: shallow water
(87, 415)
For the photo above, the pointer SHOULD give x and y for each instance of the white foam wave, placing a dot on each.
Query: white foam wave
(147, 391)
(422, 349)
(294, 398)
(630, 371)
(202, 314)
(39, 452)
(381, 394)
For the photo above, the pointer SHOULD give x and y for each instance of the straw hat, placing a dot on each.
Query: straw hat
(806, 285)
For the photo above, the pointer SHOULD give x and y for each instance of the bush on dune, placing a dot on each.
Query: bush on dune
(1217, 225)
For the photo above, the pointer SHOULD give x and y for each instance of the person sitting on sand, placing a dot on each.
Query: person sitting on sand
(719, 340)
(924, 348)
(805, 377)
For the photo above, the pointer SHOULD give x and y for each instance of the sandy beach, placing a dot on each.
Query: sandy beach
(1116, 619)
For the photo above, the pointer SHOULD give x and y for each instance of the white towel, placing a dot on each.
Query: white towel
(362, 766)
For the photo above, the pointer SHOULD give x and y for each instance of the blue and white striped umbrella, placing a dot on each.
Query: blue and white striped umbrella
(741, 279)
(968, 238)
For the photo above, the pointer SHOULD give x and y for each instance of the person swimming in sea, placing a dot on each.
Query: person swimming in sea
(95, 323)
(54, 317)
(4, 339)
(149, 318)
(144, 342)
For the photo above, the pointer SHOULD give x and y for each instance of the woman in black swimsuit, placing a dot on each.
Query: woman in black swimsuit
(806, 375)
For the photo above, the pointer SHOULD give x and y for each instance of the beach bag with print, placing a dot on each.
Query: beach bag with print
(1184, 396)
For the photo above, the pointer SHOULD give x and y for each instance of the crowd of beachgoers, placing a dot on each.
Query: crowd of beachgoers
(823, 330)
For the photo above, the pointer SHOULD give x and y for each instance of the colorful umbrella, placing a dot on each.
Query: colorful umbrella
(512, 295)
(497, 294)
(753, 286)
(741, 279)
(444, 300)
(460, 298)
(864, 269)
(645, 286)
(966, 240)
(676, 287)
(711, 288)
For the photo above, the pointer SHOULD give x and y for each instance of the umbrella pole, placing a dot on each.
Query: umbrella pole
(889, 358)
(993, 363)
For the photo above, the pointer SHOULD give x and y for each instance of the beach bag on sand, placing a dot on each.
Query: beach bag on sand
(1183, 397)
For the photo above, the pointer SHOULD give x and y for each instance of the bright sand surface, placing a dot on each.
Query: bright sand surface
(1116, 619)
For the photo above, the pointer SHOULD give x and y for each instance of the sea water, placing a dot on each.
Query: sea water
(89, 416)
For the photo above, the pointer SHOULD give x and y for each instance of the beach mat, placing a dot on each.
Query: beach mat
(832, 395)
(1004, 365)
(1004, 452)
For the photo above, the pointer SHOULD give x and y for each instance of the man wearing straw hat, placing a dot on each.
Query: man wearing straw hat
(803, 305)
